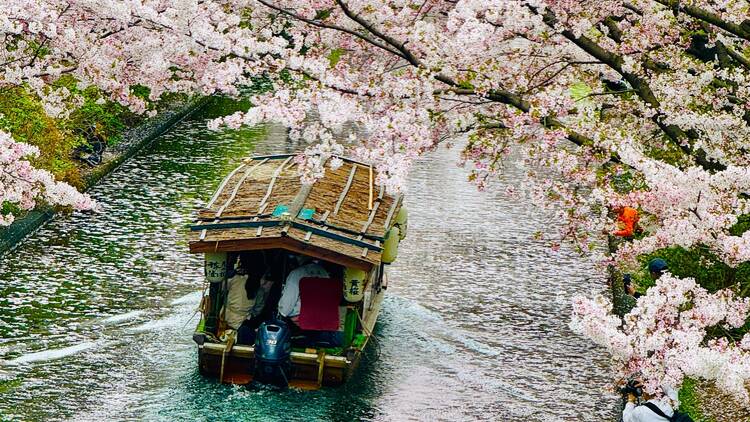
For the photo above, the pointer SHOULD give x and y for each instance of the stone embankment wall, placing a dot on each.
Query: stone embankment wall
(134, 139)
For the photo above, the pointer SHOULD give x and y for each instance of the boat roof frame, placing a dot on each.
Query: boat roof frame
(354, 238)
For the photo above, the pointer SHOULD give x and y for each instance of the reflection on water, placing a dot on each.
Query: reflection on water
(96, 311)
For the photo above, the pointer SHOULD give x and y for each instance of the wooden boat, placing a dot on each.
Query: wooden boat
(341, 219)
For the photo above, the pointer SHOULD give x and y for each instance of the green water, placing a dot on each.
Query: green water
(97, 311)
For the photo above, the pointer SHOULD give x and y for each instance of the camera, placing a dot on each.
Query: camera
(632, 387)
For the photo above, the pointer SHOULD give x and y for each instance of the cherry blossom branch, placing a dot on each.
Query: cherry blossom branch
(24, 185)
(405, 53)
(501, 96)
(741, 30)
(343, 90)
(504, 97)
(597, 94)
(328, 26)
(639, 84)
(665, 338)
(741, 59)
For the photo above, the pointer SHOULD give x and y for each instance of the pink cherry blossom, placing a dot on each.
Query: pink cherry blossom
(604, 103)
(663, 339)
(25, 186)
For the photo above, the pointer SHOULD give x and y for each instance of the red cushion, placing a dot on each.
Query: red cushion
(319, 303)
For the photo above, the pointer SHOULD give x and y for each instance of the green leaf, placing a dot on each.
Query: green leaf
(335, 56)
(466, 85)
(321, 15)
(579, 91)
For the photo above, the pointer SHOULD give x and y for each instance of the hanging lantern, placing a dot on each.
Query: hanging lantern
(354, 284)
(402, 222)
(216, 267)
(390, 246)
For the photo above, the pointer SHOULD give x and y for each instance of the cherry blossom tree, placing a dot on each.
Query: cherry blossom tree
(642, 103)
(651, 90)
(663, 339)
(23, 185)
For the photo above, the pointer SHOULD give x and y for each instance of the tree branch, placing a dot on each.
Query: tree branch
(405, 53)
(741, 59)
(742, 30)
(640, 86)
(333, 27)
(501, 96)
(342, 90)
(596, 94)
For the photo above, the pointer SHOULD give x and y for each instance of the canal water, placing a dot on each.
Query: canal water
(97, 311)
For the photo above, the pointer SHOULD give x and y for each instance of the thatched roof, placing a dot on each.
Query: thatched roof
(343, 217)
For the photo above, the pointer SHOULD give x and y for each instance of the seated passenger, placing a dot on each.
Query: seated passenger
(310, 301)
(257, 289)
(237, 304)
(289, 304)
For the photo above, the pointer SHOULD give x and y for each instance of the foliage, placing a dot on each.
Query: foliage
(690, 402)
(741, 226)
(698, 263)
(95, 117)
(659, 103)
(23, 116)
(705, 267)
(25, 185)
(335, 56)
(633, 89)
(666, 337)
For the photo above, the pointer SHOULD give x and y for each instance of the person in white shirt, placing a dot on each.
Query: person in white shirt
(289, 304)
(642, 412)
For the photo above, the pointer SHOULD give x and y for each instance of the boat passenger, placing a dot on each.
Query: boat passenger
(247, 291)
(237, 303)
(289, 304)
(257, 289)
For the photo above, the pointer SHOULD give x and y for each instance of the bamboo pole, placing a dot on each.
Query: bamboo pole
(321, 367)
(369, 203)
(238, 186)
(346, 190)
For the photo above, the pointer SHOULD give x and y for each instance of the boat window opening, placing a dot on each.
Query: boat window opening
(277, 265)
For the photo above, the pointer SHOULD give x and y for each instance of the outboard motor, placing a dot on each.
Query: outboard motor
(273, 351)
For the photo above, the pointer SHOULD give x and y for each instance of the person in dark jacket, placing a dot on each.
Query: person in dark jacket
(657, 267)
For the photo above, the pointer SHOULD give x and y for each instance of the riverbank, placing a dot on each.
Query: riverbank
(133, 140)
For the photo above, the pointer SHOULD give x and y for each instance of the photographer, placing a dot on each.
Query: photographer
(641, 407)
(629, 287)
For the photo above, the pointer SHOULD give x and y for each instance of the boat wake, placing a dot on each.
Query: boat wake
(52, 354)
